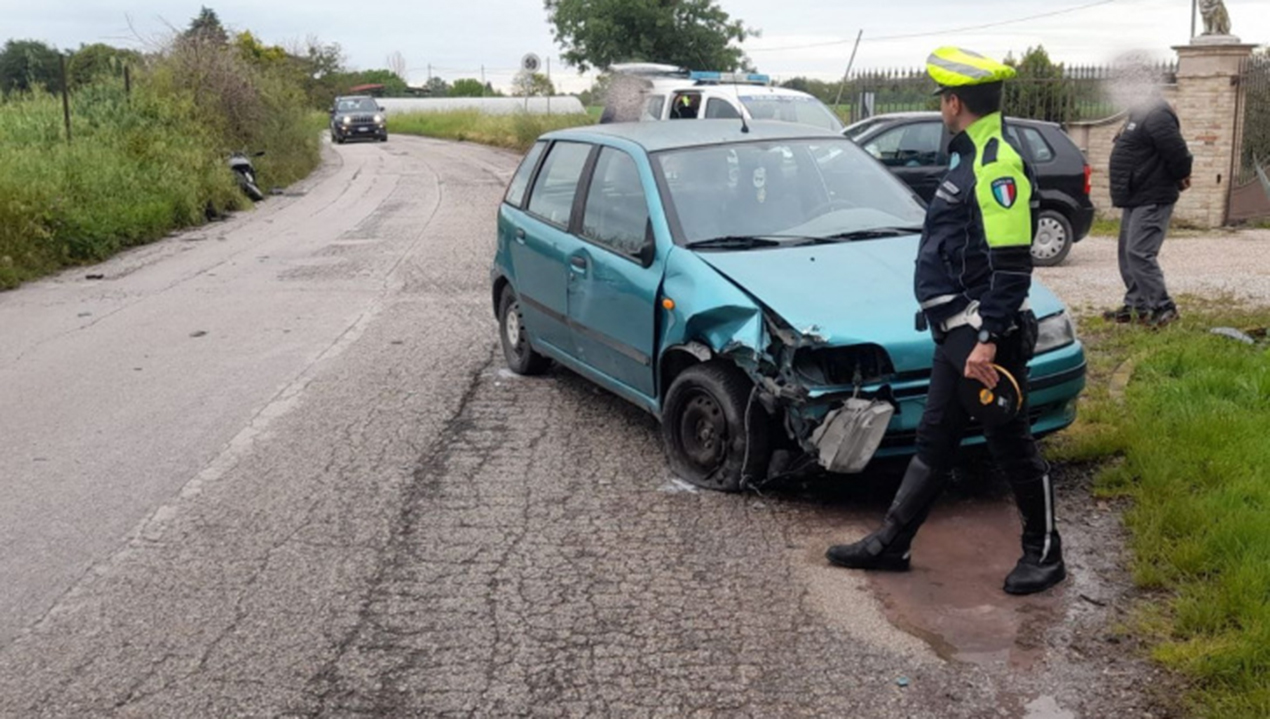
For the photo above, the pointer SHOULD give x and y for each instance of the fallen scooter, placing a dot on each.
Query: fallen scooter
(245, 173)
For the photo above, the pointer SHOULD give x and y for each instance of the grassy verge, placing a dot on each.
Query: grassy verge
(1187, 442)
(514, 132)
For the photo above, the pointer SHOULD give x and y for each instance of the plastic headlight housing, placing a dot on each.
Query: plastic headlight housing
(379, 119)
(348, 120)
(1054, 331)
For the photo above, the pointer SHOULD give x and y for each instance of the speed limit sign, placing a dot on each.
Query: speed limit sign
(530, 63)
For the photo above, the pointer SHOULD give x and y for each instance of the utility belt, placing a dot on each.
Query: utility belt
(968, 316)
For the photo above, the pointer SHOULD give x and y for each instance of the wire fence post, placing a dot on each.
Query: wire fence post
(66, 99)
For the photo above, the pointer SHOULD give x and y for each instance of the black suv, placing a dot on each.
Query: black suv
(357, 116)
(914, 146)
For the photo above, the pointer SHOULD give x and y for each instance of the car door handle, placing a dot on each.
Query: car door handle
(520, 235)
(577, 263)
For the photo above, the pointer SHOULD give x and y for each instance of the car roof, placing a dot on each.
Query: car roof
(673, 134)
(934, 115)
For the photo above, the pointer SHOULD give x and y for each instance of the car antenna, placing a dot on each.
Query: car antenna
(745, 128)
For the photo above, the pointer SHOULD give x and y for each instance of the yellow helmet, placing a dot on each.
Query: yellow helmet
(956, 67)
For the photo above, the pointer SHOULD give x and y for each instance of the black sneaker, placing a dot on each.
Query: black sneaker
(868, 553)
(1121, 315)
(1161, 317)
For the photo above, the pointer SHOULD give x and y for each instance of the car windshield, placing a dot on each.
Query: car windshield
(784, 192)
(854, 131)
(801, 109)
(357, 104)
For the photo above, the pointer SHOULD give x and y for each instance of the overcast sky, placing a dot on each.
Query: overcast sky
(457, 38)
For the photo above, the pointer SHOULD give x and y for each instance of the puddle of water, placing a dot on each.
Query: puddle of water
(1046, 707)
(952, 597)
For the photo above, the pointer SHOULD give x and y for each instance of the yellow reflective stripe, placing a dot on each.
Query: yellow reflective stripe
(955, 70)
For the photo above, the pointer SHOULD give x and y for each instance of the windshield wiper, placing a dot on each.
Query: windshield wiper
(869, 234)
(733, 242)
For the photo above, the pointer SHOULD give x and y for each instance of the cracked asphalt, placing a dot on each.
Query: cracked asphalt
(337, 503)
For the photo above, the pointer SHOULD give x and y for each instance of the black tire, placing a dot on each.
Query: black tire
(708, 441)
(1053, 239)
(249, 187)
(521, 357)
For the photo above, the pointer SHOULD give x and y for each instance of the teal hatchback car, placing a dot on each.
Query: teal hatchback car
(750, 286)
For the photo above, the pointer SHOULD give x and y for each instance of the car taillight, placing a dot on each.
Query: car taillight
(1088, 185)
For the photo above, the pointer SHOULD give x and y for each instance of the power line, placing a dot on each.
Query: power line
(949, 31)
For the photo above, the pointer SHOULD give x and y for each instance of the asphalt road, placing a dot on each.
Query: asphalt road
(274, 467)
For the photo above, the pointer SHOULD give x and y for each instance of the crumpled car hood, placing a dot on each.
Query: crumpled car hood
(847, 293)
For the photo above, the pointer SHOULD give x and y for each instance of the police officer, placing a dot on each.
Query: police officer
(974, 270)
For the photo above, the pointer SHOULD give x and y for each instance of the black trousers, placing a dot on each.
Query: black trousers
(944, 422)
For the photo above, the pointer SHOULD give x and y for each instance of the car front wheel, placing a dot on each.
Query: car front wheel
(521, 357)
(1053, 239)
(716, 436)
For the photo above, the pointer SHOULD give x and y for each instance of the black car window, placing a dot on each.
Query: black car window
(913, 145)
(520, 181)
(616, 214)
(357, 104)
(557, 183)
(720, 108)
(1041, 150)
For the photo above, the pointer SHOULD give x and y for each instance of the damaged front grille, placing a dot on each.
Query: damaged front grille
(840, 366)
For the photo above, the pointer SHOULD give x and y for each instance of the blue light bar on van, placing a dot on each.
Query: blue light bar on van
(749, 78)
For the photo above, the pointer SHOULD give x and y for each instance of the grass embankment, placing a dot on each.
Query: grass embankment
(1188, 442)
(514, 132)
(139, 167)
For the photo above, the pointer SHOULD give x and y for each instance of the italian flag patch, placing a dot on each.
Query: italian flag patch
(1005, 191)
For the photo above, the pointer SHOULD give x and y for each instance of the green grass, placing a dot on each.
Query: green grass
(1188, 442)
(514, 132)
(140, 166)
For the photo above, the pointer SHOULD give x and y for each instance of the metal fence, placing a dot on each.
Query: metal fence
(1071, 95)
(1250, 191)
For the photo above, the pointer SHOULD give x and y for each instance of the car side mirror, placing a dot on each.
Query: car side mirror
(381, 108)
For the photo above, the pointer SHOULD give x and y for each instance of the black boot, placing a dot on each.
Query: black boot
(1041, 566)
(887, 549)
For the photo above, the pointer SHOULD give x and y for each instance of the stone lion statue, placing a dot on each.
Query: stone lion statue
(1216, 19)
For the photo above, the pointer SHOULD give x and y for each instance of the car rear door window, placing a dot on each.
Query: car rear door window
(520, 181)
(557, 184)
(616, 214)
(720, 108)
(1041, 150)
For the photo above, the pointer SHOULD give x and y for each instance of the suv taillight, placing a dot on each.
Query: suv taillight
(1088, 185)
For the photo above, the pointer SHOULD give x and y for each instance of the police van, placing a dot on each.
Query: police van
(666, 92)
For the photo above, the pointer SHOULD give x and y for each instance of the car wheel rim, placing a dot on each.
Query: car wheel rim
(703, 431)
(512, 327)
(1050, 238)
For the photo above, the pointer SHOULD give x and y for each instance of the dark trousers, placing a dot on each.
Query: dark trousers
(944, 422)
(1142, 231)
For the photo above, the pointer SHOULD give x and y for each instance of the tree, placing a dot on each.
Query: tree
(696, 34)
(1040, 90)
(436, 87)
(256, 52)
(467, 87)
(92, 62)
(397, 64)
(529, 84)
(206, 27)
(29, 64)
(393, 86)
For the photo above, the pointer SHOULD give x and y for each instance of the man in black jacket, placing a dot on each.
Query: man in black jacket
(1150, 166)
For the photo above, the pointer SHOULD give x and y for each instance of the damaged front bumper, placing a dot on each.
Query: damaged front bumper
(843, 406)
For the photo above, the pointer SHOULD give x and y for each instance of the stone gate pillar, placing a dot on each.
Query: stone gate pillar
(1207, 102)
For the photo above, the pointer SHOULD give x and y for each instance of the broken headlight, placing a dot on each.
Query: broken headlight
(840, 366)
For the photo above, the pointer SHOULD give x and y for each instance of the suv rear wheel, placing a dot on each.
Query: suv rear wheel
(1053, 239)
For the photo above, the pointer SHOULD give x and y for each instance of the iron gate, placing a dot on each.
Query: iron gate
(1250, 190)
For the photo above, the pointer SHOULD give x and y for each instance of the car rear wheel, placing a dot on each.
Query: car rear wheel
(715, 435)
(1053, 239)
(521, 357)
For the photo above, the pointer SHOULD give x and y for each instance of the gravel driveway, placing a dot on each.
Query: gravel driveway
(1211, 265)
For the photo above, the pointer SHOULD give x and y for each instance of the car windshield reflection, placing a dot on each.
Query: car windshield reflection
(795, 188)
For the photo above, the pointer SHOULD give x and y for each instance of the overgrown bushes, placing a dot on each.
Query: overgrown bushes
(514, 132)
(144, 163)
